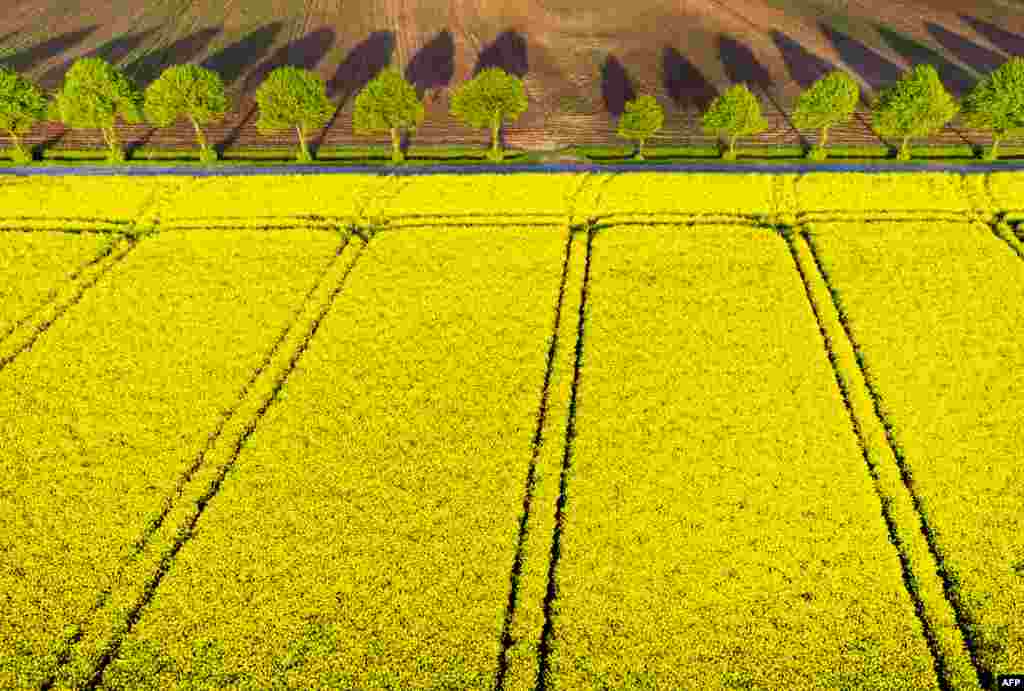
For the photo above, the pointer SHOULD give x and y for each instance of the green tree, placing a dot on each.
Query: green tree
(643, 117)
(997, 103)
(22, 104)
(829, 101)
(916, 106)
(388, 104)
(291, 97)
(491, 98)
(95, 93)
(735, 113)
(194, 92)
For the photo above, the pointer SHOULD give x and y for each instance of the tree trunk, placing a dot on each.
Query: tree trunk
(302, 142)
(396, 146)
(199, 135)
(110, 136)
(639, 153)
(994, 153)
(16, 140)
(495, 150)
(824, 136)
(905, 149)
(732, 144)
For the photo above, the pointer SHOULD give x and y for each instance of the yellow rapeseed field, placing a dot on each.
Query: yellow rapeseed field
(718, 508)
(101, 419)
(371, 521)
(937, 310)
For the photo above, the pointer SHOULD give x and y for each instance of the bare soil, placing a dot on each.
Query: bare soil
(580, 61)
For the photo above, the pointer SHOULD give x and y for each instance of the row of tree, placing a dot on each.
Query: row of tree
(95, 93)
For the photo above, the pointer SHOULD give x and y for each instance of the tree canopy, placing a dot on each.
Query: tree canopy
(828, 102)
(490, 99)
(94, 94)
(388, 104)
(291, 97)
(997, 103)
(194, 92)
(735, 113)
(642, 117)
(916, 106)
(22, 104)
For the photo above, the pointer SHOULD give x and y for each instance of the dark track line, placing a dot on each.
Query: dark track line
(517, 564)
(151, 529)
(938, 661)
(167, 562)
(82, 289)
(965, 625)
(70, 278)
(547, 633)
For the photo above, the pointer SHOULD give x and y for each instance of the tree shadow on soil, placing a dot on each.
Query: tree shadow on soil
(433, 66)
(804, 67)
(742, 66)
(616, 87)
(113, 51)
(431, 69)
(684, 83)
(25, 60)
(977, 57)
(1009, 43)
(956, 79)
(147, 68)
(305, 52)
(877, 71)
(508, 51)
(232, 61)
(358, 69)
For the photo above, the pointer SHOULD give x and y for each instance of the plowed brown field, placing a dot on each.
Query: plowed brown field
(580, 61)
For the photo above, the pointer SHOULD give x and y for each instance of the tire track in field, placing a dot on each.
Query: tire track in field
(30, 328)
(75, 274)
(153, 527)
(547, 632)
(947, 649)
(265, 387)
(978, 191)
(938, 659)
(531, 475)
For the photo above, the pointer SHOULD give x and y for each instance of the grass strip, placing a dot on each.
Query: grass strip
(519, 670)
(898, 506)
(935, 312)
(720, 529)
(367, 531)
(101, 419)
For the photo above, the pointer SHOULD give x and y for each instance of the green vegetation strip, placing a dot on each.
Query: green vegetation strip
(102, 419)
(898, 507)
(366, 535)
(936, 311)
(719, 521)
(34, 265)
